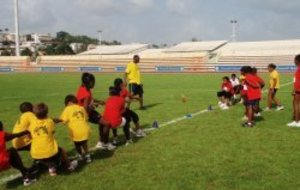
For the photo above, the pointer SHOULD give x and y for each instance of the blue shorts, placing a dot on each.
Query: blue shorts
(253, 102)
(136, 89)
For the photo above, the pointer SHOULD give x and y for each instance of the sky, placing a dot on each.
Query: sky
(158, 21)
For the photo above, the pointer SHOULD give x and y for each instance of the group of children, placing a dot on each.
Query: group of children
(35, 131)
(248, 88)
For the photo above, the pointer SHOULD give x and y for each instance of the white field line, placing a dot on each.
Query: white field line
(19, 97)
(173, 121)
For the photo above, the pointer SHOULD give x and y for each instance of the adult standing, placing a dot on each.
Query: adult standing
(132, 76)
(274, 86)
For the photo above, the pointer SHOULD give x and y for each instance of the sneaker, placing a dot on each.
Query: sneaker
(279, 108)
(115, 142)
(109, 146)
(257, 114)
(88, 158)
(99, 145)
(73, 165)
(225, 107)
(132, 131)
(267, 109)
(292, 124)
(242, 101)
(27, 181)
(220, 103)
(140, 133)
(128, 142)
(248, 124)
(80, 158)
(52, 171)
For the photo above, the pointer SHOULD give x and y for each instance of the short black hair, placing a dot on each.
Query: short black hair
(226, 78)
(118, 82)
(233, 75)
(41, 110)
(297, 58)
(70, 98)
(1, 126)
(87, 79)
(114, 91)
(254, 70)
(246, 69)
(273, 66)
(26, 107)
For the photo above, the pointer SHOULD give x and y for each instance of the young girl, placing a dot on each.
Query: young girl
(23, 143)
(129, 115)
(225, 94)
(76, 118)
(112, 116)
(85, 99)
(11, 157)
(44, 147)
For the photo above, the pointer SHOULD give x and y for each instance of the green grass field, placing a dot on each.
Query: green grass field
(210, 151)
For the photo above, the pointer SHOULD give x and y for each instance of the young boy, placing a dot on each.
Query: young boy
(76, 118)
(129, 115)
(23, 143)
(11, 157)
(253, 94)
(86, 100)
(262, 85)
(274, 86)
(235, 82)
(296, 95)
(225, 94)
(44, 147)
(112, 116)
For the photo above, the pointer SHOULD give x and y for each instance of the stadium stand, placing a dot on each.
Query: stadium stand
(259, 53)
(117, 49)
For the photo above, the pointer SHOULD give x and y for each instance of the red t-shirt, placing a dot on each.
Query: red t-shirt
(113, 111)
(125, 93)
(227, 86)
(297, 80)
(4, 155)
(253, 93)
(83, 93)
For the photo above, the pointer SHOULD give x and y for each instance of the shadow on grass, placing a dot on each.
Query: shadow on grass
(152, 105)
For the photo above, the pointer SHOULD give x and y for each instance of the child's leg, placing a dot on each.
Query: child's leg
(78, 147)
(126, 130)
(250, 113)
(115, 133)
(270, 99)
(101, 127)
(16, 162)
(85, 147)
(296, 107)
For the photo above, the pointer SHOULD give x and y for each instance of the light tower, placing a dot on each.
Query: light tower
(233, 35)
(100, 37)
(17, 40)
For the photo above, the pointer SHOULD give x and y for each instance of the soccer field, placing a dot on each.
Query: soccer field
(208, 151)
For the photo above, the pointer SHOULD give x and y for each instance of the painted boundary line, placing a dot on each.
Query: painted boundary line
(14, 176)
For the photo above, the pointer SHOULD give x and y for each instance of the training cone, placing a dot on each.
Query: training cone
(189, 115)
(155, 125)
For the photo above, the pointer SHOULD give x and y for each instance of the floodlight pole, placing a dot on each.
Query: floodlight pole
(17, 37)
(233, 35)
(100, 37)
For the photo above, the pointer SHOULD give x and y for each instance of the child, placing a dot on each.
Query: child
(225, 94)
(253, 94)
(262, 84)
(44, 147)
(236, 85)
(273, 88)
(129, 115)
(76, 118)
(86, 100)
(296, 95)
(112, 116)
(23, 143)
(11, 157)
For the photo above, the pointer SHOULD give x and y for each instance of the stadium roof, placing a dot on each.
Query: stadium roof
(196, 46)
(117, 49)
(279, 47)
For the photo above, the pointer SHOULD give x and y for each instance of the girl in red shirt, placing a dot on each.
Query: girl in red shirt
(226, 93)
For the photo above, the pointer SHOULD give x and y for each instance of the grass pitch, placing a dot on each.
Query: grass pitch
(210, 151)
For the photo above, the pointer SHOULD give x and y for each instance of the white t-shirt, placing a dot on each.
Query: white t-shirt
(235, 82)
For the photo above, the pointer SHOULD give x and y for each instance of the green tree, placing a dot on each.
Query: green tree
(26, 52)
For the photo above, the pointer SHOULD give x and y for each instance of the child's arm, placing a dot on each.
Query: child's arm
(10, 136)
(57, 120)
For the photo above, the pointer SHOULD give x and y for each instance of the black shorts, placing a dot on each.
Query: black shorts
(94, 117)
(136, 89)
(80, 143)
(54, 161)
(274, 92)
(225, 94)
(253, 102)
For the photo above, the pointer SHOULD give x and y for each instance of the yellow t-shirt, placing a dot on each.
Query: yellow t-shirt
(43, 144)
(133, 73)
(22, 125)
(274, 75)
(76, 118)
